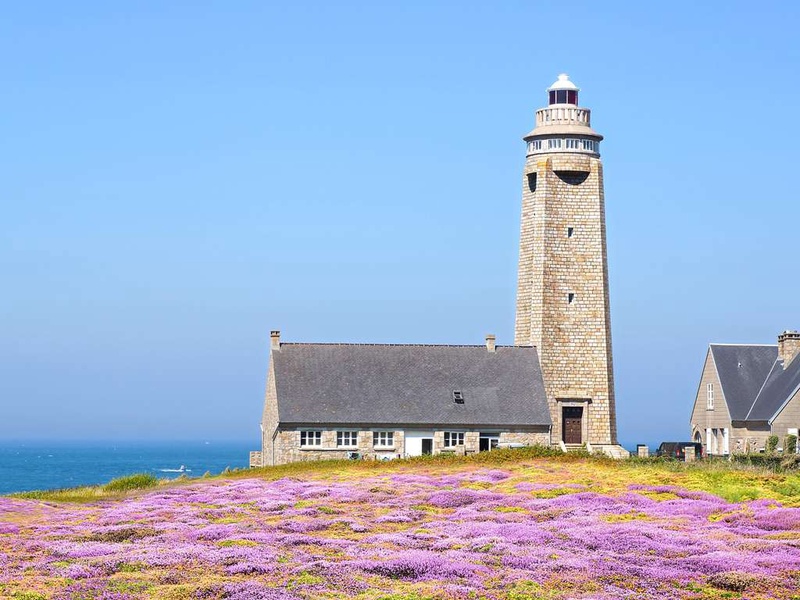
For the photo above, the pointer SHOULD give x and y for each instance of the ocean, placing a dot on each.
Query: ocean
(41, 465)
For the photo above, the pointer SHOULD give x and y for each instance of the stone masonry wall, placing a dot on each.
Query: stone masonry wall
(288, 448)
(529, 438)
(573, 338)
(269, 420)
(788, 418)
(748, 439)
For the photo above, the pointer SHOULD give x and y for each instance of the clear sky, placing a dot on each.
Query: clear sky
(178, 178)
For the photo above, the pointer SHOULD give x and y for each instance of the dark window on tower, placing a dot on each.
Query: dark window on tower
(561, 96)
(570, 298)
(458, 396)
(572, 97)
(572, 177)
(532, 182)
(552, 97)
(570, 232)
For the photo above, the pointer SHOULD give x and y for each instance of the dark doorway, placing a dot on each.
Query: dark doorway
(488, 442)
(427, 446)
(573, 424)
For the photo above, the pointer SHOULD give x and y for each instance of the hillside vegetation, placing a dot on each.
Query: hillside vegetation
(519, 524)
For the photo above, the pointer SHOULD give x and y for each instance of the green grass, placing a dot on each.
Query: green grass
(137, 481)
(82, 494)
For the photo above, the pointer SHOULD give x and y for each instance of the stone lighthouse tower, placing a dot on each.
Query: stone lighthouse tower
(562, 293)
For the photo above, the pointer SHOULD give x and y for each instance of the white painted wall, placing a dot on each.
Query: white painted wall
(414, 441)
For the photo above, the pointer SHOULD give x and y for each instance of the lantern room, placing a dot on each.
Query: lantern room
(563, 91)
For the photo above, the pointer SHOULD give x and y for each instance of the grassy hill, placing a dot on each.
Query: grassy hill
(518, 524)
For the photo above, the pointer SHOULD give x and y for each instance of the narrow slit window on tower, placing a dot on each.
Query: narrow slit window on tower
(570, 298)
(570, 232)
(532, 182)
(458, 396)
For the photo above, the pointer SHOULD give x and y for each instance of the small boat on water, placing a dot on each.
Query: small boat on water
(181, 469)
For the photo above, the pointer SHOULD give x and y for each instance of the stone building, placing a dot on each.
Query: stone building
(747, 392)
(554, 386)
(397, 400)
(562, 295)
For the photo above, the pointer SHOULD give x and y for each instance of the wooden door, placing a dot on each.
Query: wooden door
(572, 425)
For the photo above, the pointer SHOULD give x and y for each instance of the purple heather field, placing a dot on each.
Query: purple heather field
(538, 529)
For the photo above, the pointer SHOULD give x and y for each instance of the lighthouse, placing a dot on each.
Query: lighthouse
(562, 293)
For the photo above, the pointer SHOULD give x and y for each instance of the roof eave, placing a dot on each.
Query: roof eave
(413, 426)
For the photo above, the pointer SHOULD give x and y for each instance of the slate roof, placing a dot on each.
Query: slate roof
(779, 387)
(742, 371)
(376, 384)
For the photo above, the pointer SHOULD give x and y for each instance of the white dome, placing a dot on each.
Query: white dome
(563, 83)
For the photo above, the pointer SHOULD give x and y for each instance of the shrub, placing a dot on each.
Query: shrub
(124, 534)
(790, 445)
(758, 460)
(138, 481)
(772, 444)
(790, 462)
(734, 581)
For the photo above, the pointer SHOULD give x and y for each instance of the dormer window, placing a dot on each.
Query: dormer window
(458, 396)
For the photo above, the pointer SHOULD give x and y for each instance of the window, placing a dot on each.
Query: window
(563, 97)
(573, 144)
(554, 144)
(570, 298)
(453, 438)
(346, 439)
(458, 396)
(710, 396)
(570, 232)
(311, 438)
(537, 144)
(383, 438)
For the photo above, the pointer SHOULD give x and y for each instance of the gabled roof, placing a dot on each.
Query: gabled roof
(742, 371)
(778, 389)
(349, 384)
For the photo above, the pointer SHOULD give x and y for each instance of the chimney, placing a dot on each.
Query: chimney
(275, 340)
(788, 346)
(490, 346)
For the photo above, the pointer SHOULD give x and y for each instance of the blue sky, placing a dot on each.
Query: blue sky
(179, 178)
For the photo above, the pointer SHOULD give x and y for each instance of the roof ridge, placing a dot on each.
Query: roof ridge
(396, 344)
(729, 344)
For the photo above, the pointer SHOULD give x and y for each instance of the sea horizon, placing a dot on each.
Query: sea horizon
(41, 464)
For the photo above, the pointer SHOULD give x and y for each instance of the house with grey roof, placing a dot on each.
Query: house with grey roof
(386, 401)
(747, 392)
